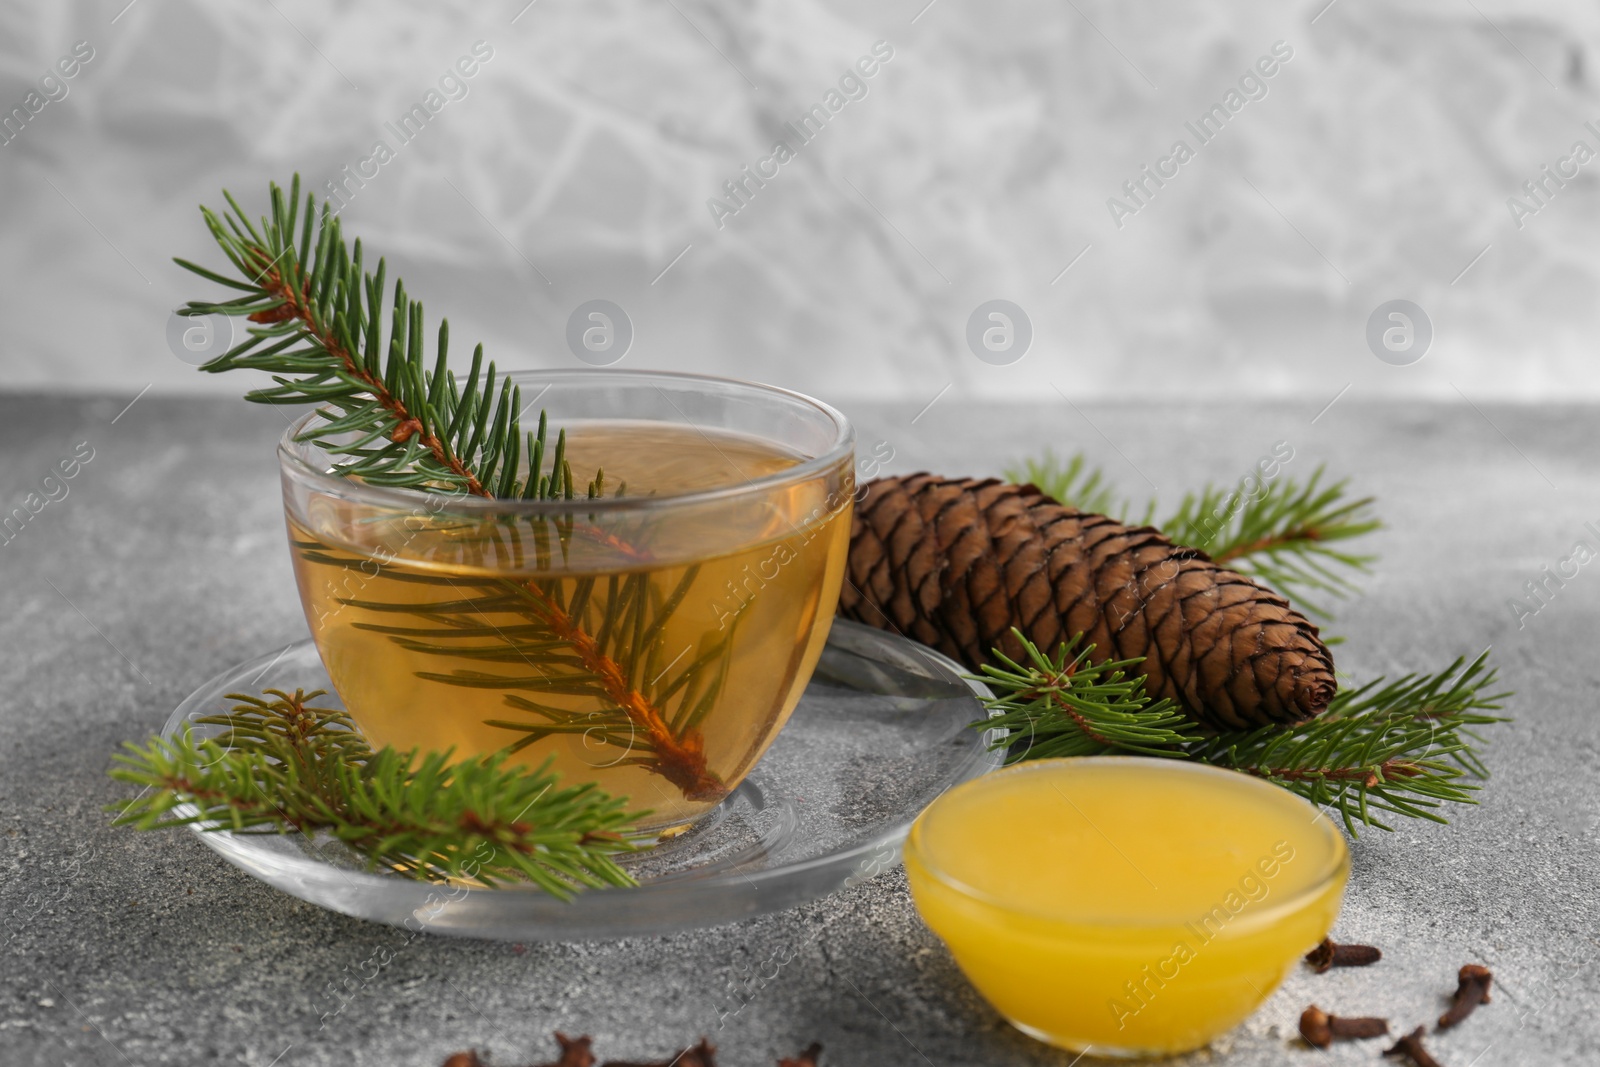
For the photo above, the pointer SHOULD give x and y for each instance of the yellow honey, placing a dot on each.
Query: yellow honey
(1125, 905)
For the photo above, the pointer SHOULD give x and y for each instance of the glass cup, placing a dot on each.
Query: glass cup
(652, 641)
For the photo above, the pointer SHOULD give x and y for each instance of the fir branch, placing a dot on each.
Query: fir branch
(1064, 705)
(318, 327)
(1402, 747)
(1289, 536)
(281, 765)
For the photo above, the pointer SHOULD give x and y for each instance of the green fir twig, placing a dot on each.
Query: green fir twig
(281, 765)
(1064, 705)
(395, 412)
(318, 327)
(1291, 536)
(1403, 747)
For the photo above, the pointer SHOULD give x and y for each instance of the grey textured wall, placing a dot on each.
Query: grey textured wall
(1376, 162)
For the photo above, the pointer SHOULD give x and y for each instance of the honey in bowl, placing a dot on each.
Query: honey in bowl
(656, 656)
(1125, 905)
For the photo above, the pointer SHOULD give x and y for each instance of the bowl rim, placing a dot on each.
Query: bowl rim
(1337, 865)
(841, 448)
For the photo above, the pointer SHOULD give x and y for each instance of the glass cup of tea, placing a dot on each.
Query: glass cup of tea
(652, 639)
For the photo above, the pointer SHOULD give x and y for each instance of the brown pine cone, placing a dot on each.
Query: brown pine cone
(956, 562)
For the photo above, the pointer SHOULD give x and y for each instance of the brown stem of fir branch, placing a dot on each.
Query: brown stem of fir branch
(301, 722)
(1053, 688)
(1081, 721)
(182, 786)
(682, 761)
(470, 822)
(295, 306)
(1367, 776)
(1266, 544)
(504, 834)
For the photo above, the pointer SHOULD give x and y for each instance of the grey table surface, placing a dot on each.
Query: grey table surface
(165, 563)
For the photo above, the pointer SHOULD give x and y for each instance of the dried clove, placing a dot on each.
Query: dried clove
(702, 1055)
(1321, 1029)
(576, 1052)
(1329, 954)
(1411, 1045)
(1472, 989)
(808, 1058)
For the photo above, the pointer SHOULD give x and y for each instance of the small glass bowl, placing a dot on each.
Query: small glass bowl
(652, 644)
(1135, 973)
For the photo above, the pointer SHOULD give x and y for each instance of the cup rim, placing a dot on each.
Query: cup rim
(840, 448)
(1337, 864)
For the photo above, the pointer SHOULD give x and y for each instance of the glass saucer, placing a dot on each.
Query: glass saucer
(879, 733)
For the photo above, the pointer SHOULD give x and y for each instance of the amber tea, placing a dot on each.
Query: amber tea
(656, 657)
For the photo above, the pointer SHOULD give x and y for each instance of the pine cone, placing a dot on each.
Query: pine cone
(956, 562)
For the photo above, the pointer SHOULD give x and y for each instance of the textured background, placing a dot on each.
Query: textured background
(978, 165)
